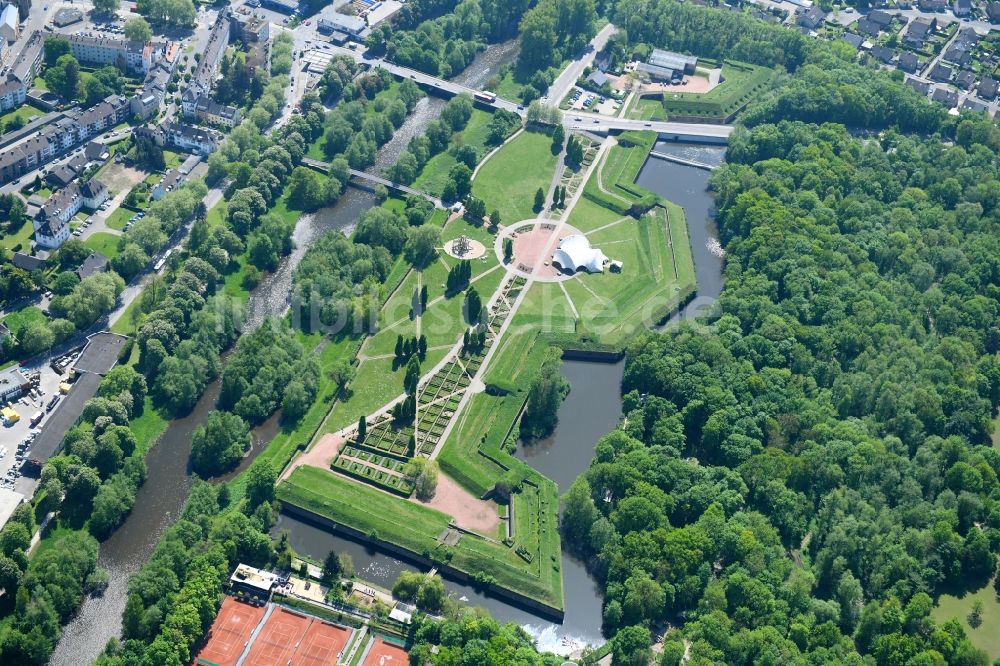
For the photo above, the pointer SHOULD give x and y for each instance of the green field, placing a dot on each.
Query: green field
(24, 112)
(612, 185)
(741, 83)
(416, 528)
(104, 243)
(119, 217)
(21, 237)
(16, 321)
(509, 180)
(985, 637)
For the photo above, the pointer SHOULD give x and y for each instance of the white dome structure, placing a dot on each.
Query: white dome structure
(575, 254)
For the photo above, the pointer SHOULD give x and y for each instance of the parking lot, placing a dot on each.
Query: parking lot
(583, 100)
(11, 436)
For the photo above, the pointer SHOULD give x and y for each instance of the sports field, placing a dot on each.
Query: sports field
(229, 633)
(382, 653)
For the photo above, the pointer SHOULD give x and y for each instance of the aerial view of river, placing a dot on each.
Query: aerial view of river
(562, 457)
(161, 498)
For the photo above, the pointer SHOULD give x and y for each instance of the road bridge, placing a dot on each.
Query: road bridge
(378, 180)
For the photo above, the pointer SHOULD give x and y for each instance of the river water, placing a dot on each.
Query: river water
(161, 498)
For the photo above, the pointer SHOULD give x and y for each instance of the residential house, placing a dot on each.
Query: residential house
(918, 31)
(932, 5)
(125, 54)
(957, 56)
(961, 7)
(94, 263)
(883, 54)
(854, 40)
(28, 262)
(880, 18)
(251, 28)
(941, 73)
(964, 80)
(866, 27)
(810, 18)
(51, 223)
(213, 113)
(993, 11)
(987, 89)
(189, 138)
(945, 96)
(973, 104)
(10, 23)
(921, 87)
(908, 62)
(13, 93)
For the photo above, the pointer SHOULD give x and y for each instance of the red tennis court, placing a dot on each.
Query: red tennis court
(230, 632)
(278, 638)
(321, 645)
(386, 654)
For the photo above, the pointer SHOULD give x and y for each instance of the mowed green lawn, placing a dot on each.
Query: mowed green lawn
(16, 321)
(20, 236)
(104, 243)
(509, 180)
(987, 635)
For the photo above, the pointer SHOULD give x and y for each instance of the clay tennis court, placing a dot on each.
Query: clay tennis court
(230, 633)
(276, 642)
(386, 654)
(322, 645)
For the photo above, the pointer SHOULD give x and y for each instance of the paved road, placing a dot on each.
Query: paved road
(574, 70)
(600, 124)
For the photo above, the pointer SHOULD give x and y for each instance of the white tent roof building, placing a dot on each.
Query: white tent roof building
(575, 254)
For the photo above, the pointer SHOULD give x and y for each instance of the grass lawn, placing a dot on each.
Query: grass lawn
(588, 215)
(646, 108)
(21, 237)
(172, 159)
(985, 637)
(509, 180)
(741, 83)
(148, 426)
(16, 321)
(119, 217)
(103, 242)
(24, 112)
(124, 324)
(416, 528)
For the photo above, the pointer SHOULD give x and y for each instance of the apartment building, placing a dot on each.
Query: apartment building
(13, 93)
(127, 55)
(51, 223)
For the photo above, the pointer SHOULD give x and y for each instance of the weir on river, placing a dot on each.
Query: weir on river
(591, 409)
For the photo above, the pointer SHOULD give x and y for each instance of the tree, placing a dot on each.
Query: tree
(546, 393)
(975, 617)
(539, 201)
(508, 250)
(136, 29)
(558, 139)
(331, 569)
(362, 428)
(422, 346)
(109, 7)
(461, 177)
(219, 444)
(63, 76)
(423, 474)
(295, 401)
(423, 298)
(495, 218)
(412, 376)
(472, 306)
(261, 478)
(421, 245)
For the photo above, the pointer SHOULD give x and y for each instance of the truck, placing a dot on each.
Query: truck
(486, 96)
(36, 418)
